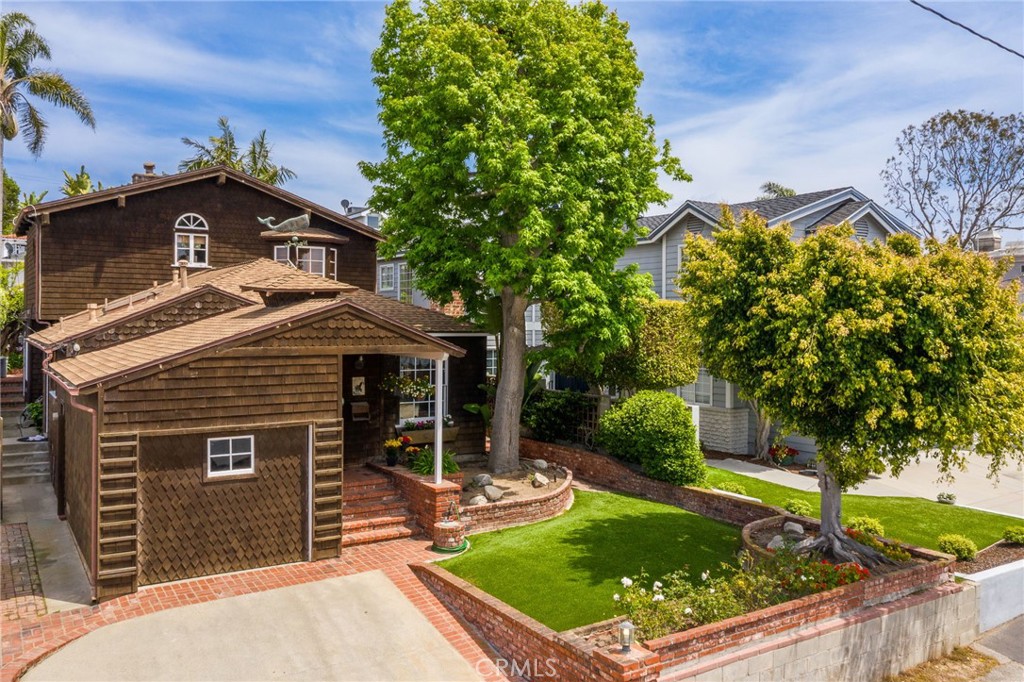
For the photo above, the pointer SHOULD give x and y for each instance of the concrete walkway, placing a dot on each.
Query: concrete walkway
(359, 627)
(1005, 644)
(972, 487)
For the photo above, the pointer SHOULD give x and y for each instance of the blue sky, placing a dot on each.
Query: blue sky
(809, 94)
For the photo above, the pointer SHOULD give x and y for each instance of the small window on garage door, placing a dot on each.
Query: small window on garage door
(230, 456)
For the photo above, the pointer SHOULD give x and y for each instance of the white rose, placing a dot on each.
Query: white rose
(626, 582)
(616, 597)
(659, 597)
(687, 610)
(657, 585)
(705, 575)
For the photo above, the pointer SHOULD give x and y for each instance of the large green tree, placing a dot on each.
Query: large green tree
(516, 163)
(21, 47)
(223, 149)
(959, 173)
(10, 206)
(882, 353)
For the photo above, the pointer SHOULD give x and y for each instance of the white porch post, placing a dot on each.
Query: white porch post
(439, 406)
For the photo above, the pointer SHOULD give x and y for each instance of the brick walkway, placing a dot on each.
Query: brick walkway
(21, 593)
(29, 639)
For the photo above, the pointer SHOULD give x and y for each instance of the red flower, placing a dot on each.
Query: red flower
(406, 440)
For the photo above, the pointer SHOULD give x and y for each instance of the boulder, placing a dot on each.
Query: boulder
(477, 500)
(777, 543)
(482, 479)
(792, 528)
(540, 480)
(540, 464)
(493, 493)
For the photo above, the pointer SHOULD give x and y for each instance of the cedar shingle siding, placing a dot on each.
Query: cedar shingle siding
(99, 251)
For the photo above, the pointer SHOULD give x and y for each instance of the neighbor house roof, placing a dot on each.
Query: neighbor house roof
(848, 203)
(222, 173)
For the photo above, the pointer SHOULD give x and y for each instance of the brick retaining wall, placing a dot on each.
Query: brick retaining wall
(494, 515)
(428, 501)
(609, 472)
(530, 649)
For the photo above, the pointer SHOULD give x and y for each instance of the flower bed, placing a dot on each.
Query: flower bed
(507, 513)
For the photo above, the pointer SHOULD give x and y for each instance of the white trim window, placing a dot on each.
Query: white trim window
(311, 259)
(404, 283)
(191, 221)
(387, 277)
(230, 456)
(412, 407)
(191, 248)
(492, 362)
(283, 254)
(701, 392)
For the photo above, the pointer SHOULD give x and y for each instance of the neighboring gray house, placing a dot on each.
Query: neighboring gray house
(727, 423)
(991, 243)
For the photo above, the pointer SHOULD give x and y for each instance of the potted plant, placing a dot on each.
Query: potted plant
(402, 385)
(421, 431)
(783, 455)
(392, 448)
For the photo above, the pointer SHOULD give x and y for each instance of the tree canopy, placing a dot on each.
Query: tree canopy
(959, 173)
(775, 190)
(516, 163)
(79, 183)
(879, 352)
(223, 150)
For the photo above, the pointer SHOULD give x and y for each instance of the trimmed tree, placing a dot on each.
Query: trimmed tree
(881, 353)
(516, 164)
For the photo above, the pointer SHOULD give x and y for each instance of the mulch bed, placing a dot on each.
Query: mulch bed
(992, 556)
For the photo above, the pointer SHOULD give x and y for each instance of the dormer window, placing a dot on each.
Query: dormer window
(190, 242)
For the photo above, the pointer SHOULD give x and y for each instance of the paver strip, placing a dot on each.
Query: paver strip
(29, 639)
(21, 592)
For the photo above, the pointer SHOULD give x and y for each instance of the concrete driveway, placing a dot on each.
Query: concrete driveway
(359, 627)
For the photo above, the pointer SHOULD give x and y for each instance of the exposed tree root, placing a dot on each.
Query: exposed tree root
(844, 549)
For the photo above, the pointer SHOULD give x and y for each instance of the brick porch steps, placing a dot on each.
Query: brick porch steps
(372, 510)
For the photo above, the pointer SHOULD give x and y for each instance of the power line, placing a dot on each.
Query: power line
(966, 28)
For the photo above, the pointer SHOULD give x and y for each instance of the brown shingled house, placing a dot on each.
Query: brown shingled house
(203, 425)
(94, 247)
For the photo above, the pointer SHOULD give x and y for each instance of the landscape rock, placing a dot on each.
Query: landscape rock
(477, 500)
(792, 528)
(540, 480)
(540, 464)
(777, 543)
(493, 493)
(482, 480)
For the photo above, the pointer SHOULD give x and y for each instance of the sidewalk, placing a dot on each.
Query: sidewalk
(972, 487)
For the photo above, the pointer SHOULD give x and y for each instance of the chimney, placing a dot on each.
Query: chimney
(988, 240)
(149, 173)
(94, 311)
(183, 274)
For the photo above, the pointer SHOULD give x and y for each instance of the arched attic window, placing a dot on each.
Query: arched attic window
(190, 243)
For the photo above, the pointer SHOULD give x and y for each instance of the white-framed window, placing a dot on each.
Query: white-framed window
(387, 277)
(311, 259)
(492, 362)
(701, 391)
(191, 248)
(191, 221)
(533, 312)
(410, 407)
(283, 254)
(404, 283)
(230, 456)
(333, 262)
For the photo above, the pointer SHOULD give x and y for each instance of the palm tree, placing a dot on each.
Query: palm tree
(79, 183)
(774, 190)
(20, 46)
(223, 150)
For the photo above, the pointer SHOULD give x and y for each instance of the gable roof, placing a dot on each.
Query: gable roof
(189, 341)
(782, 209)
(222, 173)
(243, 281)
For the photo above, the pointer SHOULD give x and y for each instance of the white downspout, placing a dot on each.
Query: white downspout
(439, 391)
(664, 265)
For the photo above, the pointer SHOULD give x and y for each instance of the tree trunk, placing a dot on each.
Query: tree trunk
(832, 540)
(762, 434)
(508, 401)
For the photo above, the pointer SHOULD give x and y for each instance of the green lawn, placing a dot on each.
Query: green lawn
(911, 519)
(563, 572)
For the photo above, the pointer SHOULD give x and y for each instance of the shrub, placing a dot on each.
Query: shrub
(655, 428)
(422, 462)
(867, 524)
(35, 412)
(891, 549)
(959, 546)
(798, 507)
(946, 498)
(732, 487)
(1014, 534)
(15, 361)
(556, 415)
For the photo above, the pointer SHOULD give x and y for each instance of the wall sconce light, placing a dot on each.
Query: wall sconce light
(626, 630)
(359, 362)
